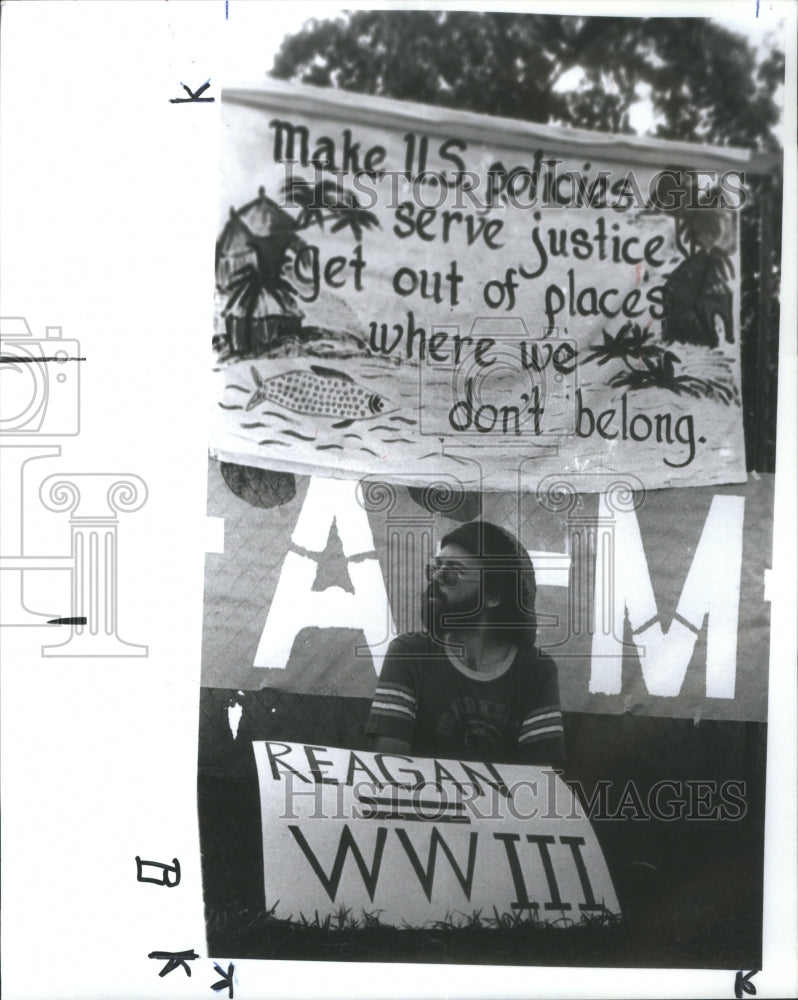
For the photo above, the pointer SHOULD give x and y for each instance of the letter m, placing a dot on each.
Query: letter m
(711, 591)
(345, 844)
(284, 135)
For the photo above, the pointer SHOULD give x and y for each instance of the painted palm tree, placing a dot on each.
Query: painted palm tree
(654, 367)
(698, 301)
(697, 296)
(341, 206)
(264, 276)
(661, 373)
(629, 342)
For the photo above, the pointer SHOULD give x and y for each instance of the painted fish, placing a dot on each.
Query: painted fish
(320, 392)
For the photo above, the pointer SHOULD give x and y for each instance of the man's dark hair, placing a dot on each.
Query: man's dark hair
(507, 573)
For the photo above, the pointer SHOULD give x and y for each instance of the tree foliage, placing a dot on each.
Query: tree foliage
(703, 81)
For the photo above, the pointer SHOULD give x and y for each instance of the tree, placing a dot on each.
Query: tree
(704, 83)
(702, 79)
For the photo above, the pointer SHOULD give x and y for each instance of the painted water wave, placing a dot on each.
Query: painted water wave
(413, 421)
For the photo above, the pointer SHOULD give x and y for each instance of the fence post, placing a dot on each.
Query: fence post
(763, 403)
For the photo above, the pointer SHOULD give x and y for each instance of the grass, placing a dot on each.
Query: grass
(462, 938)
(667, 926)
(696, 903)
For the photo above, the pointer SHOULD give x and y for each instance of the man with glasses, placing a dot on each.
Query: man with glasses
(472, 685)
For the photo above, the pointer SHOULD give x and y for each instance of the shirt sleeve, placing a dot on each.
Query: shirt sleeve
(541, 739)
(393, 710)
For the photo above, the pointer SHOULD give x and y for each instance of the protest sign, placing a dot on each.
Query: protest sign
(416, 840)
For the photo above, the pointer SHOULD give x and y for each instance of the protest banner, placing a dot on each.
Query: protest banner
(400, 286)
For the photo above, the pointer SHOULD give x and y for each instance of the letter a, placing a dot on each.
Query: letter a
(296, 605)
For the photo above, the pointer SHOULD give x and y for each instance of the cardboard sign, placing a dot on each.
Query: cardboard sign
(416, 840)
(399, 289)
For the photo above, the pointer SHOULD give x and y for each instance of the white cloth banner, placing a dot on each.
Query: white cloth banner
(403, 289)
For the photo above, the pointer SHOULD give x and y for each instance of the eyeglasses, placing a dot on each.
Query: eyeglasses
(449, 576)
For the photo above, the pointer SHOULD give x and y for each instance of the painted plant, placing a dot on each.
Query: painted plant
(698, 300)
(648, 365)
(257, 251)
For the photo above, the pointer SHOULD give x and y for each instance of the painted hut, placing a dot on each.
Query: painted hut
(259, 303)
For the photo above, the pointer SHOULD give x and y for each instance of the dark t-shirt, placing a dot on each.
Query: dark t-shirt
(444, 709)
